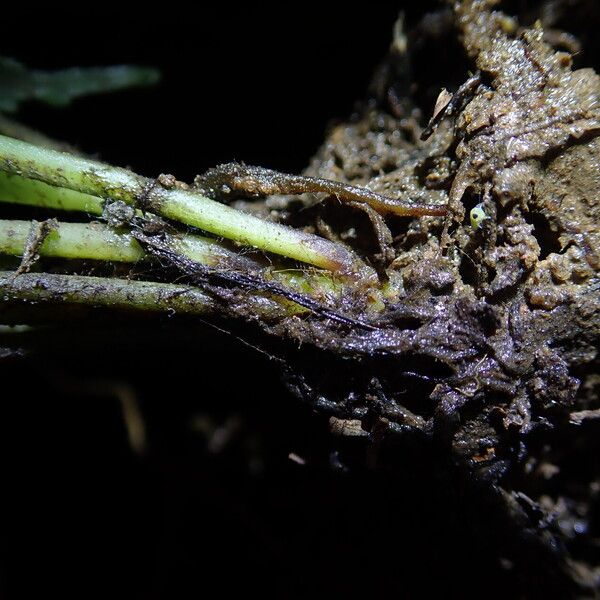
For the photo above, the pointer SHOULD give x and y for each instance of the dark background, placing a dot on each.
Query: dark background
(247, 82)
(83, 514)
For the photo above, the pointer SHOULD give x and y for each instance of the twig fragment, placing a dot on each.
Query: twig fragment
(448, 104)
(38, 233)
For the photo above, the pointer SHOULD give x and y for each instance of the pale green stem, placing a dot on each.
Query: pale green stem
(119, 294)
(186, 206)
(19, 190)
(72, 240)
(97, 241)
(100, 242)
(41, 297)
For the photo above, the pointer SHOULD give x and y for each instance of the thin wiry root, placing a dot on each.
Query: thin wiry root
(202, 274)
(382, 233)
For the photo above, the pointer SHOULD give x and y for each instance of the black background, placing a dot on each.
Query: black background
(246, 82)
(83, 515)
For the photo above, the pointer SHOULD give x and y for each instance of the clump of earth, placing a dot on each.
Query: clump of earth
(488, 345)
